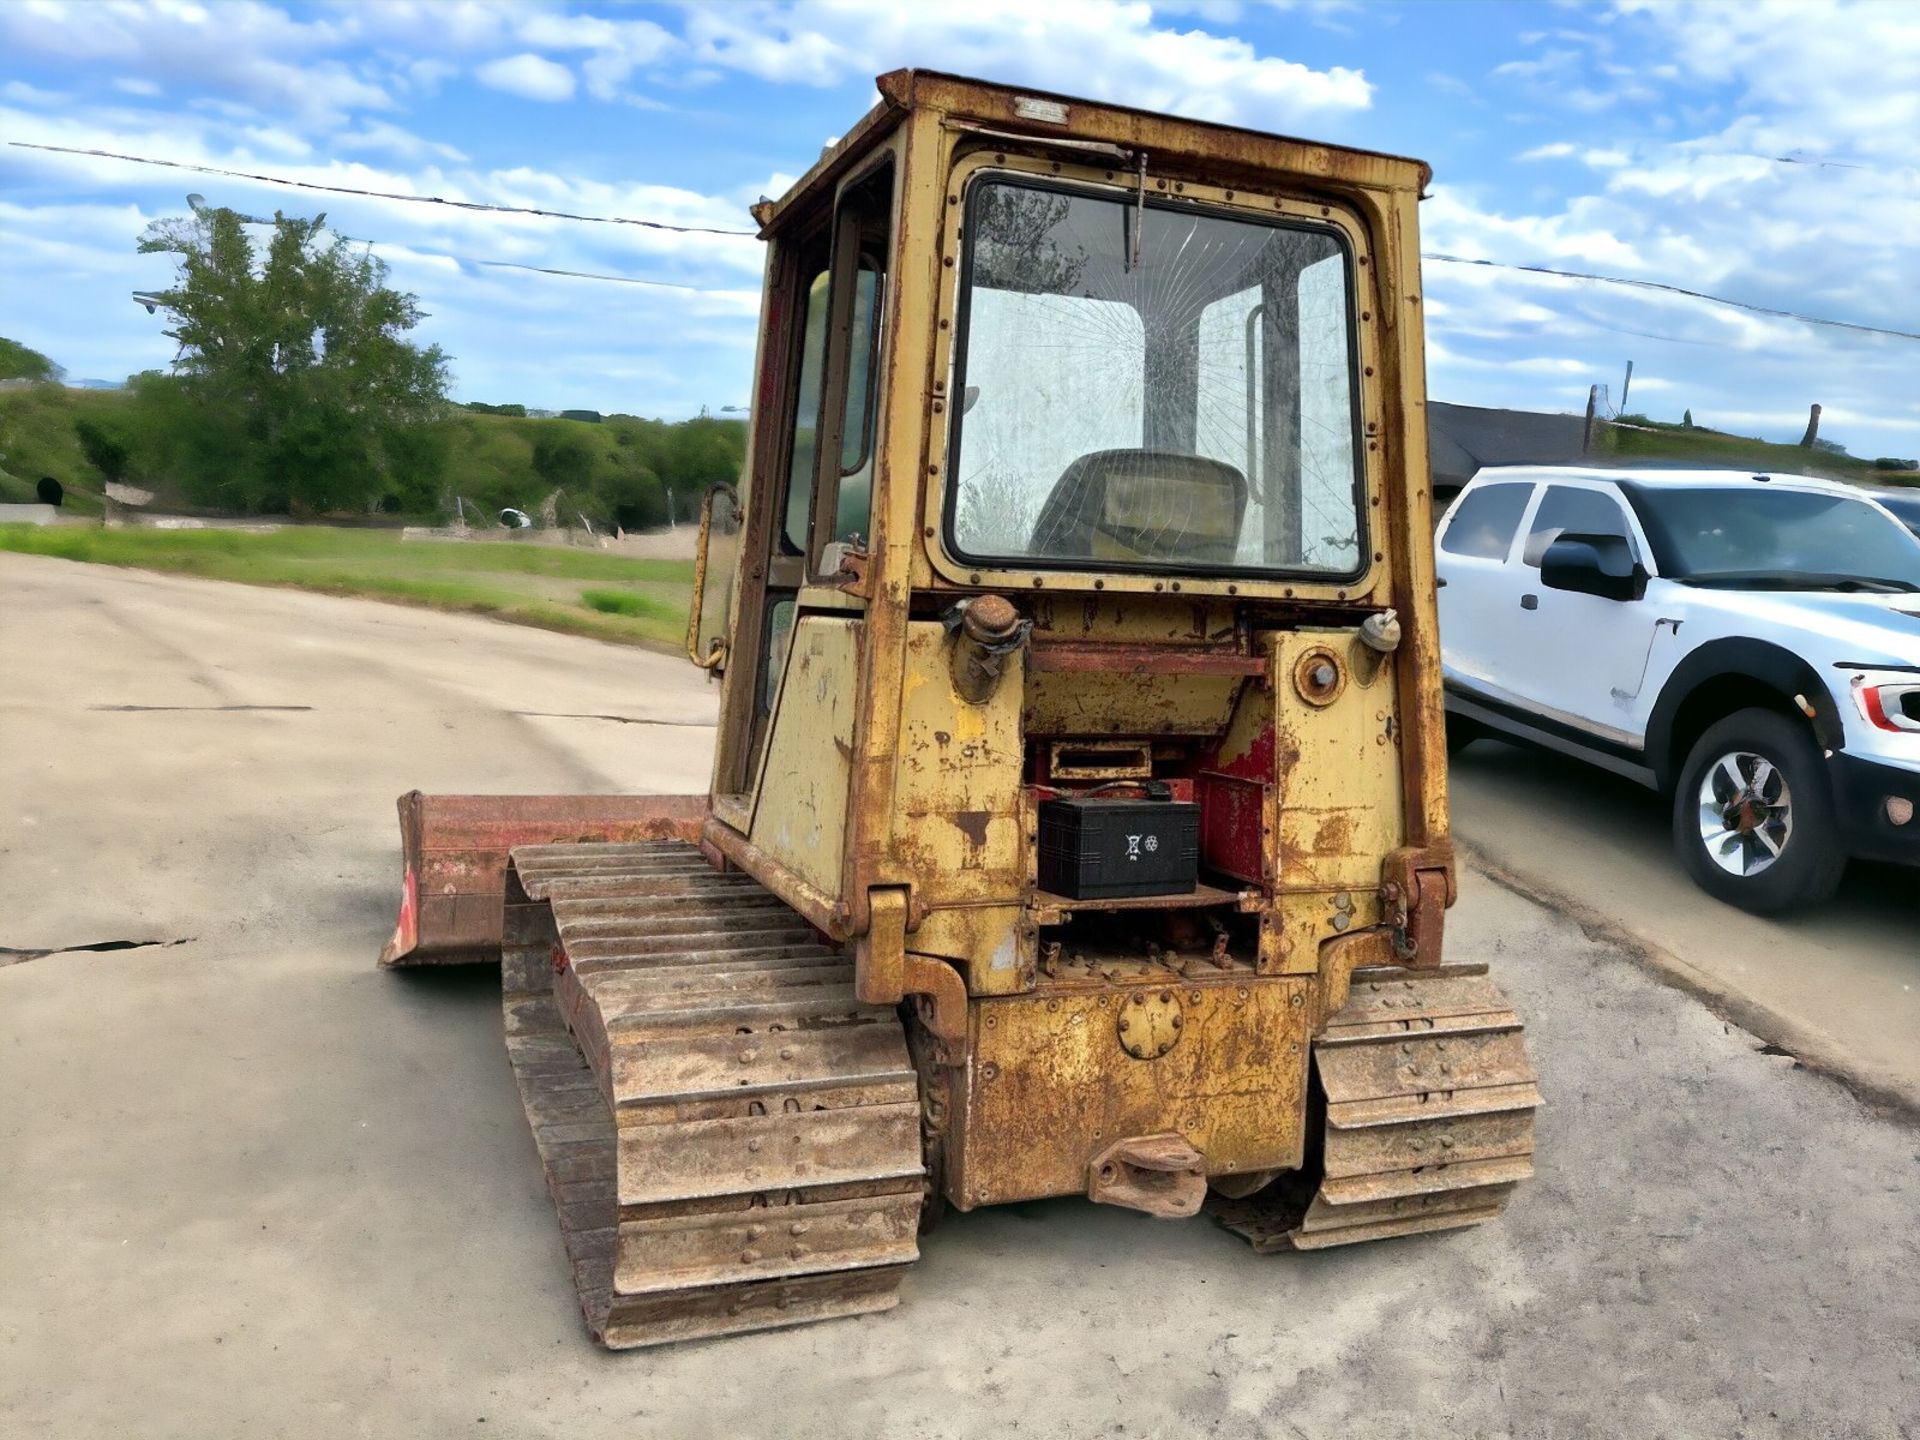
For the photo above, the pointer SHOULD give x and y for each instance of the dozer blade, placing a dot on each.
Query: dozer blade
(1429, 1108)
(454, 849)
(731, 1138)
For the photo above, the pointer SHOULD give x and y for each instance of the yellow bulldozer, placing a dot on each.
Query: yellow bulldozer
(1078, 819)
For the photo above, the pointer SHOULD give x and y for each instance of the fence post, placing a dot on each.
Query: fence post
(1813, 429)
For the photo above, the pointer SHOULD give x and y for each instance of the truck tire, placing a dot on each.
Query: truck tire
(1753, 815)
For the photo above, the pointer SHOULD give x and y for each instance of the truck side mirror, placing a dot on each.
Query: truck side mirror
(1602, 565)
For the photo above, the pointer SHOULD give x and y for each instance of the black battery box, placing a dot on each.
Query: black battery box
(1097, 848)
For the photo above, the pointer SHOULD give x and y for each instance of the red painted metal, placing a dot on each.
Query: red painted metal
(1233, 795)
(455, 848)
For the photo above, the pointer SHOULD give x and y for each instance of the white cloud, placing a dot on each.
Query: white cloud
(1453, 85)
(241, 49)
(1109, 52)
(386, 139)
(528, 76)
(1686, 186)
(134, 85)
(616, 47)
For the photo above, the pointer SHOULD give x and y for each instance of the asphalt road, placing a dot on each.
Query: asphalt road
(254, 1187)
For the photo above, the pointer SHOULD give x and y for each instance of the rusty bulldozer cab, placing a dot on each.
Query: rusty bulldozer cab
(1087, 467)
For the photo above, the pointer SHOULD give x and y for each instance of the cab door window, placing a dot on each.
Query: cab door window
(830, 470)
(806, 415)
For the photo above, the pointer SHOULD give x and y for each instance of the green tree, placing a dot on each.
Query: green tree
(299, 351)
(107, 453)
(697, 454)
(17, 362)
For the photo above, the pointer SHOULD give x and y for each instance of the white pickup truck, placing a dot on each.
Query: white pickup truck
(1749, 645)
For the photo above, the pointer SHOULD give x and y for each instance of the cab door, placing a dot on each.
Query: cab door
(1479, 589)
(1578, 660)
(782, 775)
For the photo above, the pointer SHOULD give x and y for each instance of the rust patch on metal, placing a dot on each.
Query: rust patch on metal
(1335, 834)
(1074, 658)
(973, 824)
(1319, 676)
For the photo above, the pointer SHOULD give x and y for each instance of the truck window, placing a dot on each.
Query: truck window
(1567, 508)
(1484, 521)
(1183, 397)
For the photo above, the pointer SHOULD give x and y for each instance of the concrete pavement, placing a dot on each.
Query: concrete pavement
(1837, 984)
(254, 1187)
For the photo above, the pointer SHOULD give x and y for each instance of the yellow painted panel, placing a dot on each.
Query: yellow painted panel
(1341, 799)
(957, 826)
(1048, 1084)
(959, 834)
(800, 818)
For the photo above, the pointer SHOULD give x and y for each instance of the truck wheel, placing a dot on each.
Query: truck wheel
(1753, 816)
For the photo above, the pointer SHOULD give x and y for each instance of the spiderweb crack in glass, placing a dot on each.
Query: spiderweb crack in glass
(1194, 409)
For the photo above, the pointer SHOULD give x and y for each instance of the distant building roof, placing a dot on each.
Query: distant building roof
(1463, 439)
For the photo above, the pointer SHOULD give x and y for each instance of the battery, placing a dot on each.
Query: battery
(1112, 849)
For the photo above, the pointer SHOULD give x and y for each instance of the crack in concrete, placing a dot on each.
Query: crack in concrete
(10, 955)
(143, 709)
(617, 719)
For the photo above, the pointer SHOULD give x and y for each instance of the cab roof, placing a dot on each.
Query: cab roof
(1040, 116)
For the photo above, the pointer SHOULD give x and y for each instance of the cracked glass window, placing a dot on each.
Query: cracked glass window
(1162, 389)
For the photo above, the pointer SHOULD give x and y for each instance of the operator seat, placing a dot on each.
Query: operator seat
(1142, 505)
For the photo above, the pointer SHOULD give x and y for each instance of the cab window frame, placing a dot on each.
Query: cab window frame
(849, 252)
(1354, 302)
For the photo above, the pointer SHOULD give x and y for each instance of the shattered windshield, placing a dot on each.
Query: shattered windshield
(1774, 539)
(1158, 389)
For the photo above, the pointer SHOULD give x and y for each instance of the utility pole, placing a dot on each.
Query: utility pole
(1586, 434)
(1813, 429)
(1625, 386)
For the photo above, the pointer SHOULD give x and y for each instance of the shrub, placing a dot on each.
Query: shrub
(628, 602)
(106, 453)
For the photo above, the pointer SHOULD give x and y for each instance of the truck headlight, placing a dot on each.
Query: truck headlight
(1889, 705)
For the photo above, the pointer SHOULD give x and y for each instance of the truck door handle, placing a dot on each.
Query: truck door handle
(1529, 602)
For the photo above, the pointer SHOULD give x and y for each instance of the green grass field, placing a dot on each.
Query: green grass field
(36, 438)
(1651, 442)
(585, 592)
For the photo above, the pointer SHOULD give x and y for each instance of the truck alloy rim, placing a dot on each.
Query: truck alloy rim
(1746, 813)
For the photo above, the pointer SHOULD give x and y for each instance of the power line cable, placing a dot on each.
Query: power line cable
(590, 275)
(383, 194)
(506, 264)
(1676, 290)
(710, 230)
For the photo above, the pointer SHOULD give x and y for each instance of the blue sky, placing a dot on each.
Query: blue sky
(1764, 151)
